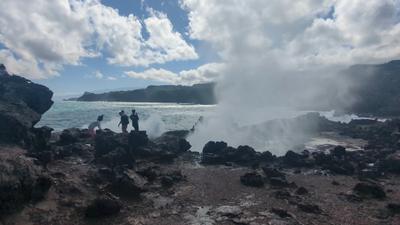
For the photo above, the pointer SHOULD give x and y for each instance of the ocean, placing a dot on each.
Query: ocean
(155, 118)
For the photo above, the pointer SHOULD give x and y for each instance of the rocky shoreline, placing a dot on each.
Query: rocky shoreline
(71, 178)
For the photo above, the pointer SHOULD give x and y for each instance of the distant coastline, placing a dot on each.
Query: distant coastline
(195, 94)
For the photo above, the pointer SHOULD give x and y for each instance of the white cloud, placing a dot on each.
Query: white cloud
(98, 75)
(205, 73)
(41, 36)
(301, 32)
(111, 78)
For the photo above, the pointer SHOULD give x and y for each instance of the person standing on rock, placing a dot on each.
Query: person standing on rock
(135, 120)
(95, 124)
(124, 121)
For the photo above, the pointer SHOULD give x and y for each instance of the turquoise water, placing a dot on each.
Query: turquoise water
(154, 117)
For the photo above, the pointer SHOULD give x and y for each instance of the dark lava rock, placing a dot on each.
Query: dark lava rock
(252, 179)
(173, 142)
(169, 179)
(20, 182)
(393, 208)
(243, 155)
(128, 183)
(42, 138)
(221, 153)
(70, 136)
(392, 163)
(301, 191)
(339, 151)
(369, 190)
(272, 172)
(294, 159)
(138, 139)
(281, 213)
(103, 207)
(106, 141)
(22, 103)
(214, 147)
(335, 183)
(214, 153)
(117, 157)
(309, 208)
(267, 156)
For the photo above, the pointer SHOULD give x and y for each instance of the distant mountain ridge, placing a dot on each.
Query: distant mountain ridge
(195, 94)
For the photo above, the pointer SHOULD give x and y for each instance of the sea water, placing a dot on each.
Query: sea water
(155, 118)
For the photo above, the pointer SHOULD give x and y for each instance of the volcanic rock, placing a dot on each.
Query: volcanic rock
(22, 103)
(252, 179)
(392, 163)
(301, 191)
(338, 151)
(21, 181)
(103, 207)
(272, 172)
(394, 208)
(369, 190)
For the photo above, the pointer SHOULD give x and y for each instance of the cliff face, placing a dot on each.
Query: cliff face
(22, 103)
(197, 94)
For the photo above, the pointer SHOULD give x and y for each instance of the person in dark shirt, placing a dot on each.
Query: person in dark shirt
(124, 121)
(135, 120)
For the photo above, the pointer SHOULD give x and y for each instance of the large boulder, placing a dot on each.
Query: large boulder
(173, 142)
(107, 141)
(252, 179)
(221, 153)
(22, 103)
(21, 181)
(369, 190)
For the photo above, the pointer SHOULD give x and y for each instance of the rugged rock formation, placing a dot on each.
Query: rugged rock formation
(22, 103)
(21, 181)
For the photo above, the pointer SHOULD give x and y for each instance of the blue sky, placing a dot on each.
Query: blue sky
(75, 79)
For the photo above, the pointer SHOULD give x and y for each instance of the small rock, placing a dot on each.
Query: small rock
(369, 190)
(393, 208)
(301, 191)
(103, 207)
(252, 179)
(309, 208)
(338, 151)
(335, 183)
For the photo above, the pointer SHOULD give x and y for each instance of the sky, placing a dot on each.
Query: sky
(73, 46)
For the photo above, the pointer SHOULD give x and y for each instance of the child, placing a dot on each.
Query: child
(95, 124)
